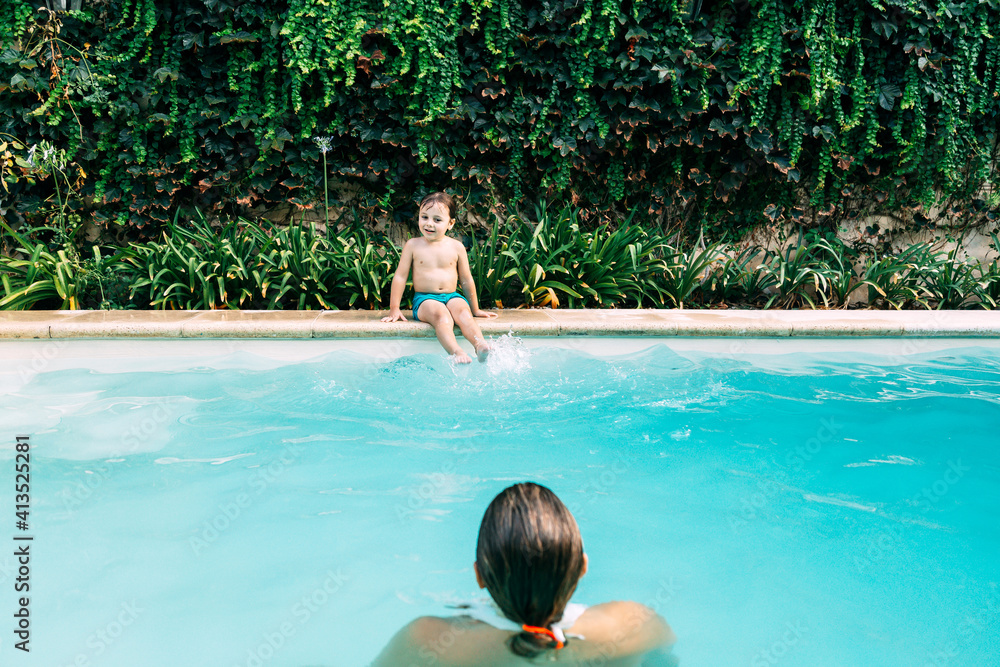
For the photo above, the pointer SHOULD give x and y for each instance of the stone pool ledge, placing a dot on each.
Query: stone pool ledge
(534, 322)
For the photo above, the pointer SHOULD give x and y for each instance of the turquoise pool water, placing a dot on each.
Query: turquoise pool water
(833, 506)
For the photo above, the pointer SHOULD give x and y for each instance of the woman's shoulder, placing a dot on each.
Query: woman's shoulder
(427, 629)
(432, 640)
(437, 630)
(630, 626)
(623, 628)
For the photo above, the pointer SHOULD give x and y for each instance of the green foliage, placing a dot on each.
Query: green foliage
(44, 278)
(602, 268)
(801, 274)
(616, 268)
(724, 283)
(296, 269)
(685, 272)
(840, 279)
(945, 283)
(751, 112)
(892, 280)
(490, 263)
(260, 266)
(989, 284)
(200, 269)
(540, 253)
(552, 262)
(366, 266)
(758, 282)
(926, 278)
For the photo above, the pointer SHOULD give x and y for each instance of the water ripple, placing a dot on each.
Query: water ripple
(168, 460)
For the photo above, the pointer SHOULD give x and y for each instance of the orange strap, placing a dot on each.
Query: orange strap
(543, 631)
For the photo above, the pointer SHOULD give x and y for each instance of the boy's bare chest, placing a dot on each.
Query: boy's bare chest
(434, 258)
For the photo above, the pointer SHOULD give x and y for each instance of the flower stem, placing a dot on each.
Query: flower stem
(326, 193)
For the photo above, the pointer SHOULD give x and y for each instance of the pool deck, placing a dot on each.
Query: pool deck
(535, 322)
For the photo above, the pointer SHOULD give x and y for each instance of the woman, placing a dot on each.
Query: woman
(530, 558)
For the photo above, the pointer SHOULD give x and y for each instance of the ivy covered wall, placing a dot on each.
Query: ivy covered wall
(716, 113)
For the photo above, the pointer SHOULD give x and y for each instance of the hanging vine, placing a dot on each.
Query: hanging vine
(738, 114)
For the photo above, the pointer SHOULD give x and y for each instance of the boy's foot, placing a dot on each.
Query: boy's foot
(483, 351)
(461, 358)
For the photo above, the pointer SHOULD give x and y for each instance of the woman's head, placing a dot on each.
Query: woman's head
(530, 558)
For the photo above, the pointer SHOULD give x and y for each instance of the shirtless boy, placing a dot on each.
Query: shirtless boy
(439, 263)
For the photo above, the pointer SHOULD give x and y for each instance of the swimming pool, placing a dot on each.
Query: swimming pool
(240, 503)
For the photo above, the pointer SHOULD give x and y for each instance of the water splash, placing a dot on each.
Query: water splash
(509, 356)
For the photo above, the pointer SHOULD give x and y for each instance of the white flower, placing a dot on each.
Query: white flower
(323, 143)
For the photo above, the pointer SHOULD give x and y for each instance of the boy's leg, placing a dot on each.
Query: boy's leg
(462, 314)
(438, 316)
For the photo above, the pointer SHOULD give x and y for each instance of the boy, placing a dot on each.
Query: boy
(439, 263)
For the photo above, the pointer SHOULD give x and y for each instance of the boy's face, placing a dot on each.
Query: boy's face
(434, 221)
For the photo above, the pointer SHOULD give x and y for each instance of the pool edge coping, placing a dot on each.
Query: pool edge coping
(126, 324)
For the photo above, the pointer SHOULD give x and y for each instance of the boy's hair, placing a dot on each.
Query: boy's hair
(530, 556)
(440, 198)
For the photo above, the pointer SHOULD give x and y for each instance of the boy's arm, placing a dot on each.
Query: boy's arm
(468, 284)
(399, 284)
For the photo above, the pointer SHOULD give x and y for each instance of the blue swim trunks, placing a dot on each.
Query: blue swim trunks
(420, 297)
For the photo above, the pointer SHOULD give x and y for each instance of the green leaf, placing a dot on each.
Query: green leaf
(724, 128)
(240, 37)
(824, 131)
(887, 95)
(760, 140)
(165, 73)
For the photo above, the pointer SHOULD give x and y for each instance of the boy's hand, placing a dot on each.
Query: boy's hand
(394, 316)
(485, 313)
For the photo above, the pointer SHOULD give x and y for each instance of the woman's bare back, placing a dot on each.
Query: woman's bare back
(617, 634)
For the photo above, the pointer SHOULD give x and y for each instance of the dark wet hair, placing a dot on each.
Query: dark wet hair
(530, 556)
(440, 198)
